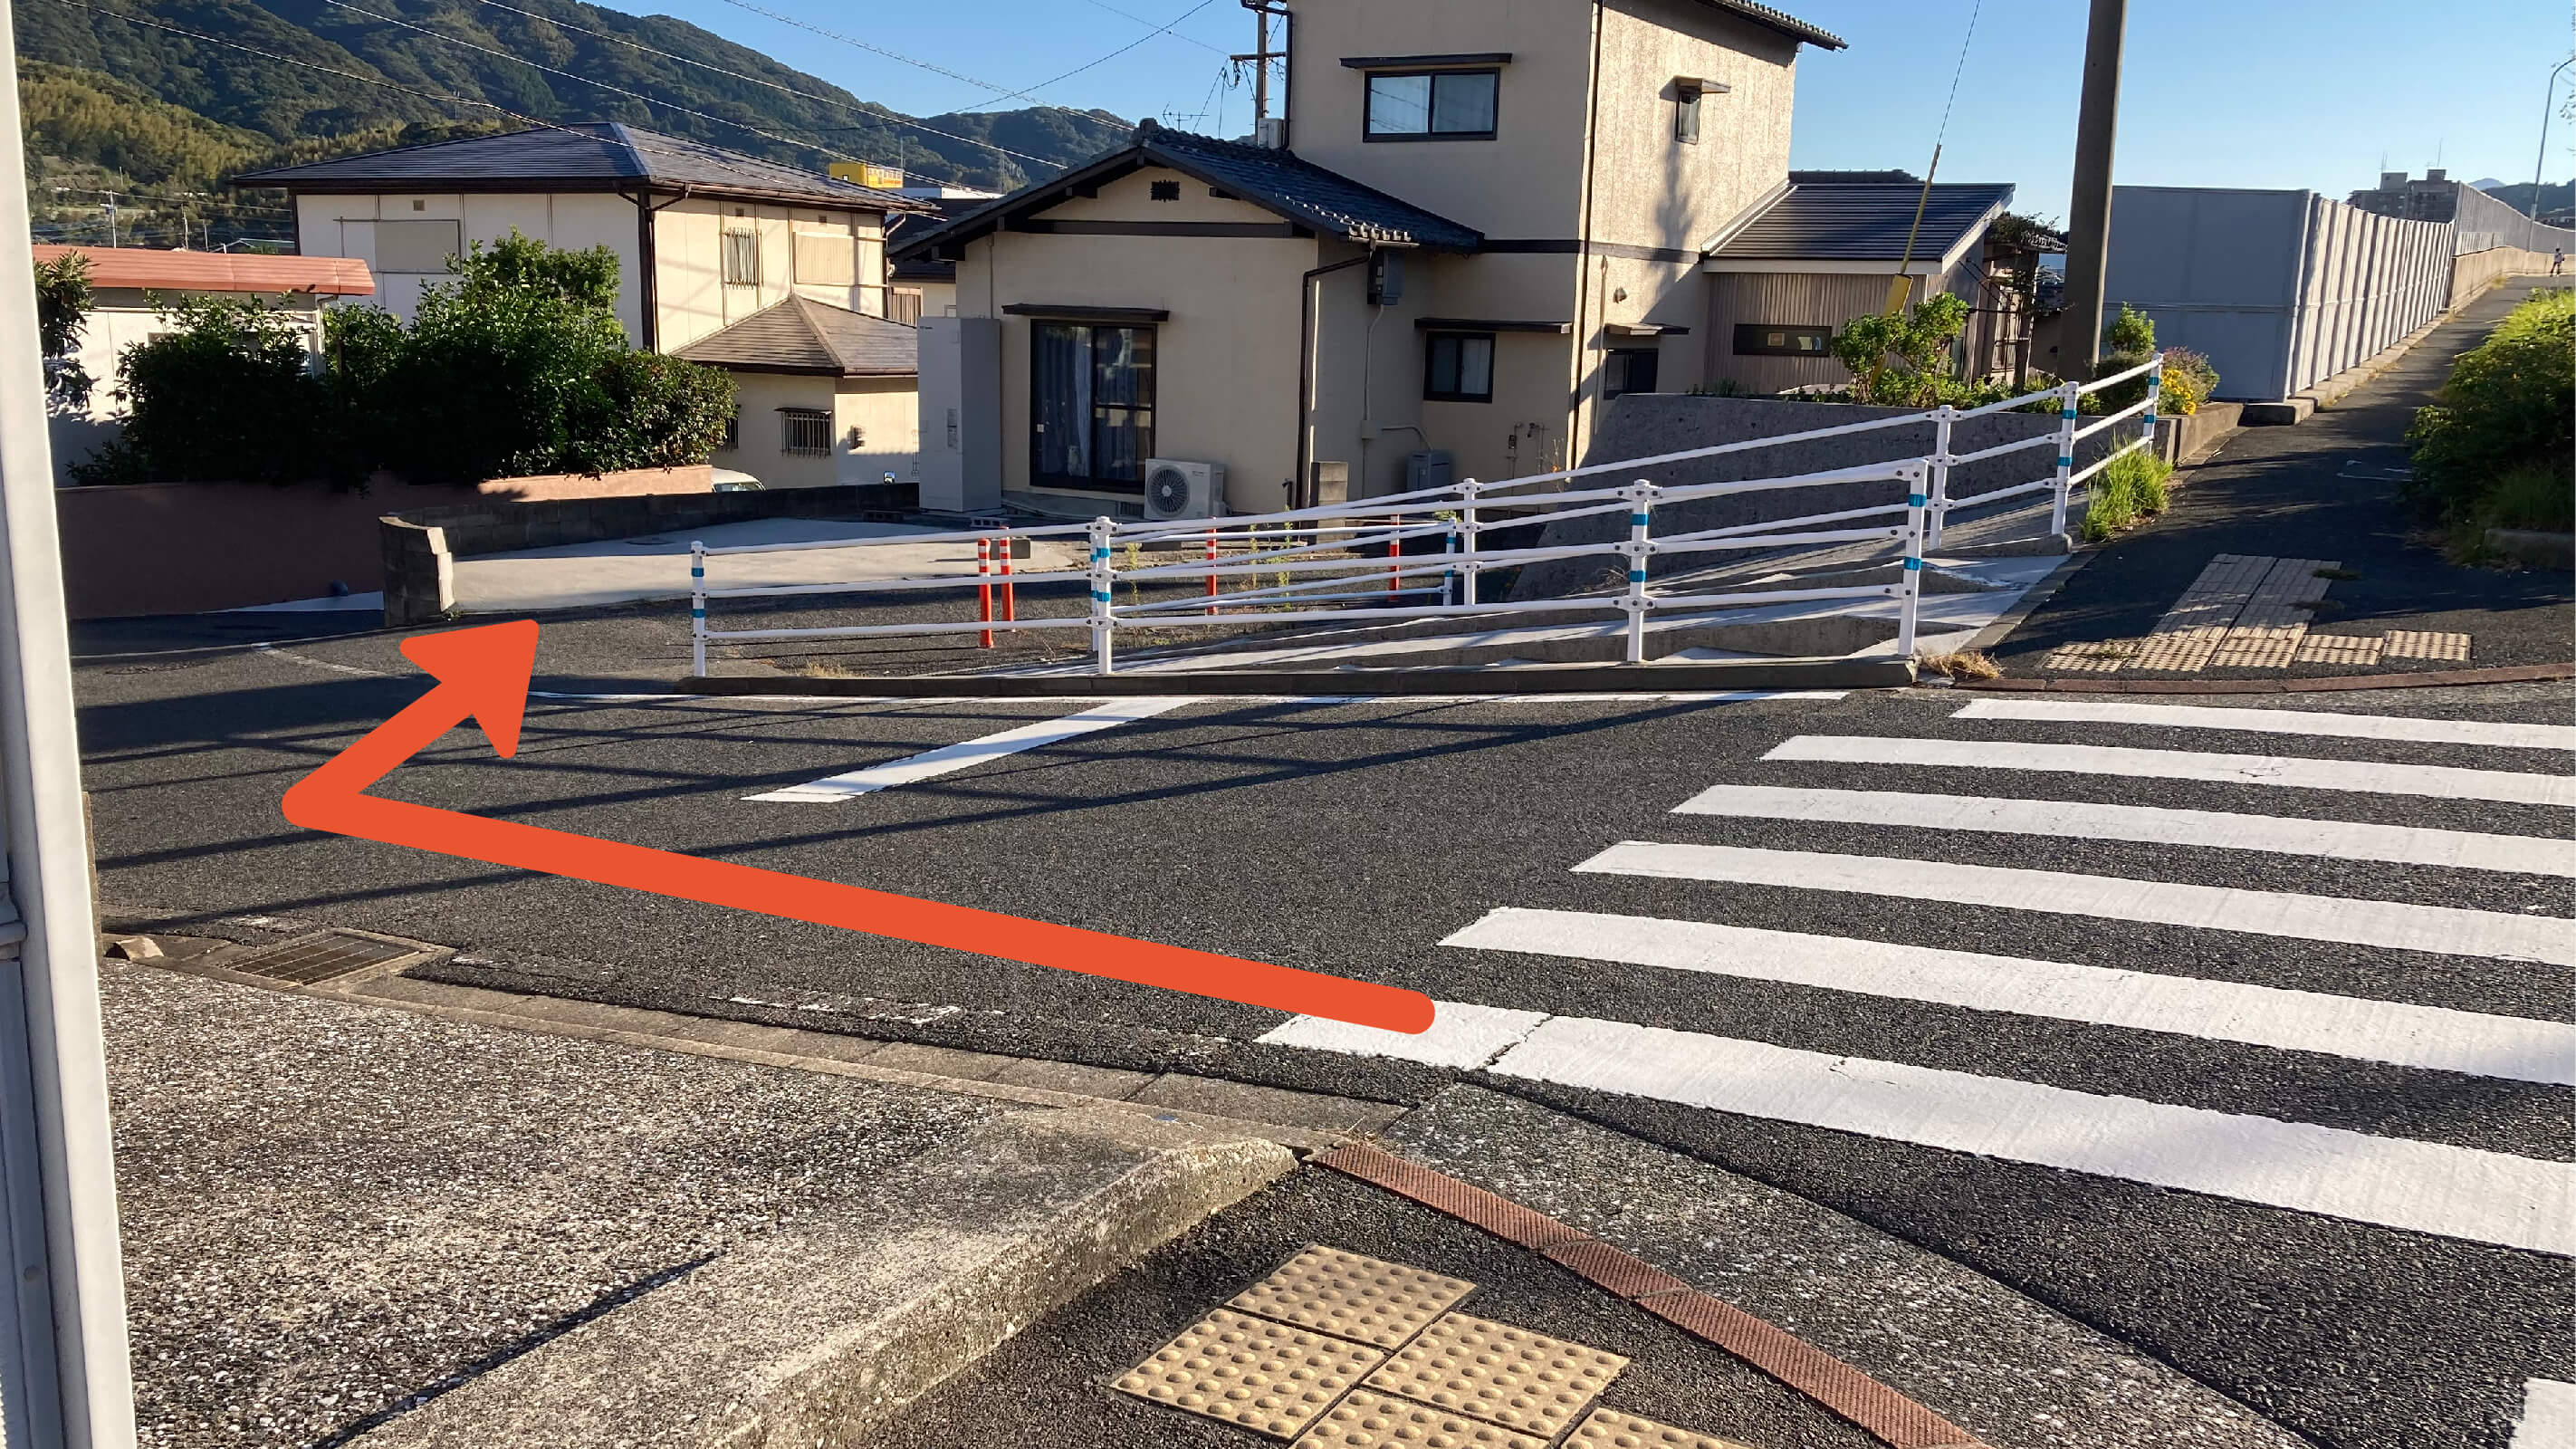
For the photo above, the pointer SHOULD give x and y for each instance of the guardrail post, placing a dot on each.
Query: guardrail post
(984, 589)
(2155, 395)
(2067, 396)
(1101, 622)
(1010, 602)
(1467, 533)
(1211, 558)
(698, 608)
(1641, 517)
(1395, 556)
(1909, 603)
(1942, 417)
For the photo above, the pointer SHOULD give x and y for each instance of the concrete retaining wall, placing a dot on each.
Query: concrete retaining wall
(416, 547)
(2473, 272)
(1643, 425)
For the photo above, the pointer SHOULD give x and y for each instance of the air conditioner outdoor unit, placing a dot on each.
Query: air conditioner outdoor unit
(1175, 489)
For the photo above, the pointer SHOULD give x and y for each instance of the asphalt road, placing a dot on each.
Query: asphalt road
(1354, 837)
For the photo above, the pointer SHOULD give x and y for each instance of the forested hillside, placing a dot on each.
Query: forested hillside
(143, 96)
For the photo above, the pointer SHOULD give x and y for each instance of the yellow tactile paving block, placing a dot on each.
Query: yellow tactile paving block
(2361, 650)
(1368, 1420)
(2104, 657)
(1265, 1376)
(2417, 644)
(2185, 651)
(2258, 648)
(1498, 1373)
(1607, 1429)
(1347, 1295)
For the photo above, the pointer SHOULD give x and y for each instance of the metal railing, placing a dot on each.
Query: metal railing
(1346, 562)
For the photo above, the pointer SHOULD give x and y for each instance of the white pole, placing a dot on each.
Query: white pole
(1915, 500)
(1467, 526)
(2067, 393)
(1641, 519)
(1942, 418)
(64, 1373)
(1101, 662)
(698, 608)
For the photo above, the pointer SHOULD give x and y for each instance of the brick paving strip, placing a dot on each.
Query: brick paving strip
(2248, 611)
(2303, 684)
(1886, 1414)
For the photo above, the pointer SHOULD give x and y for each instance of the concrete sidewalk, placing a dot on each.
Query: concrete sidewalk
(2321, 496)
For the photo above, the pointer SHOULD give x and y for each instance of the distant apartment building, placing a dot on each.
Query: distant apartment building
(2430, 197)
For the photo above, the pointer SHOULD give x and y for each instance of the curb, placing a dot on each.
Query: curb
(1582, 679)
(2323, 683)
(1891, 1417)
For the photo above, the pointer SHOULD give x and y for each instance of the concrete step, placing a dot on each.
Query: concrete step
(818, 1333)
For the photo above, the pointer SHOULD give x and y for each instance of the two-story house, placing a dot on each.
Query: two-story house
(1473, 227)
(705, 238)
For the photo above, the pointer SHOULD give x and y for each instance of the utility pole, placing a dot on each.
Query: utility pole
(2088, 222)
(2548, 103)
(1259, 60)
(65, 1377)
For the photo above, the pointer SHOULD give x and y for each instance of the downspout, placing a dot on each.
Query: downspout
(645, 211)
(1307, 340)
(1583, 253)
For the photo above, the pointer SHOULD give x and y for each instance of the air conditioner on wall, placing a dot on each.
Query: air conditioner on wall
(1176, 489)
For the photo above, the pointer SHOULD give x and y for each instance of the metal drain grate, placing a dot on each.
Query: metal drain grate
(322, 956)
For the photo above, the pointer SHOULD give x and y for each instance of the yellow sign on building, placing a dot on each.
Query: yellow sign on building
(868, 173)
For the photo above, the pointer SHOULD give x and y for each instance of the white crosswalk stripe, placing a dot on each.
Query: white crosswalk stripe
(2512, 1047)
(2154, 824)
(2448, 782)
(2443, 929)
(2473, 1193)
(930, 764)
(2499, 734)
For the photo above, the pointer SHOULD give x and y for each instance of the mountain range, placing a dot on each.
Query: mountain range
(163, 98)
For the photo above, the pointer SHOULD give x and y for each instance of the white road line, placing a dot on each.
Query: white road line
(2443, 929)
(1462, 1035)
(2298, 772)
(2458, 1192)
(2510, 1047)
(2283, 722)
(943, 761)
(2154, 824)
(2548, 1416)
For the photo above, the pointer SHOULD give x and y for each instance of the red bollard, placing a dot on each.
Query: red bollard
(1395, 551)
(1211, 578)
(1010, 597)
(984, 592)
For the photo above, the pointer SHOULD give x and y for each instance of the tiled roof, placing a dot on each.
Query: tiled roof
(592, 156)
(1863, 222)
(1780, 20)
(1276, 180)
(176, 271)
(803, 335)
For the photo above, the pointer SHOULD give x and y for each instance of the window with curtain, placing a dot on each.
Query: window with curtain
(1629, 369)
(741, 258)
(1458, 367)
(1455, 105)
(1091, 405)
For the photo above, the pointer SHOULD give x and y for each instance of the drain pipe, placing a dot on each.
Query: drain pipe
(1309, 325)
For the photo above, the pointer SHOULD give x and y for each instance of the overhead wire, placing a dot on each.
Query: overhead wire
(1104, 60)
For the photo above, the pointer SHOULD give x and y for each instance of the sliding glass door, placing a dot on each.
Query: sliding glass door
(1091, 405)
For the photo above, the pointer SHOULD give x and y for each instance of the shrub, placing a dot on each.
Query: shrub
(2135, 485)
(2188, 382)
(1902, 359)
(227, 393)
(2505, 409)
(62, 315)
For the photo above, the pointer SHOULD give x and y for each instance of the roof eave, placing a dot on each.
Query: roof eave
(1788, 25)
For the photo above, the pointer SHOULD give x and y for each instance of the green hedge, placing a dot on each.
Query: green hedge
(2502, 431)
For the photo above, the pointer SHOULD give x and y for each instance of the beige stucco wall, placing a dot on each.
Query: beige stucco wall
(1651, 190)
(344, 226)
(887, 413)
(688, 246)
(761, 437)
(1225, 360)
(1525, 181)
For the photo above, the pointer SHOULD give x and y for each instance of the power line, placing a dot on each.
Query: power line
(1141, 20)
(860, 107)
(1964, 41)
(863, 45)
(183, 199)
(1104, 60)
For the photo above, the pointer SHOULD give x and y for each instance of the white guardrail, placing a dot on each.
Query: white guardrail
(1330, 556)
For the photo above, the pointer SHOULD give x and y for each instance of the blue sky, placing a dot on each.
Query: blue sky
(2260, 93)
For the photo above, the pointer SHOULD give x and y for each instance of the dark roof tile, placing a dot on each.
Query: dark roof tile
(597, 155)
(1863, 222)
(803, 335)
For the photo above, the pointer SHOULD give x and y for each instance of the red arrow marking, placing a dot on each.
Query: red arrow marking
(484, 673)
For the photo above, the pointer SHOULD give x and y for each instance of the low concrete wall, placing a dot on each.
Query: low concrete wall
(2189, 437)
(417, 546)
(131, 550)
(1644, 425)
(2474, 272)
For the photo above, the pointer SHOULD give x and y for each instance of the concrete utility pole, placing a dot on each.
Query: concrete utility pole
(2088, 221)
(2548, 103)
(65, 1382)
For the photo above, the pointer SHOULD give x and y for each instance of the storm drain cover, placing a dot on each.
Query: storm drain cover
(322, 956)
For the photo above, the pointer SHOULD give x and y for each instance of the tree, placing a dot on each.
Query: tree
(226, 394)
(62, 315)
(1916, 342)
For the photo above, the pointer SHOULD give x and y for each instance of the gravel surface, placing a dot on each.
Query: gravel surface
(333, 1212)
